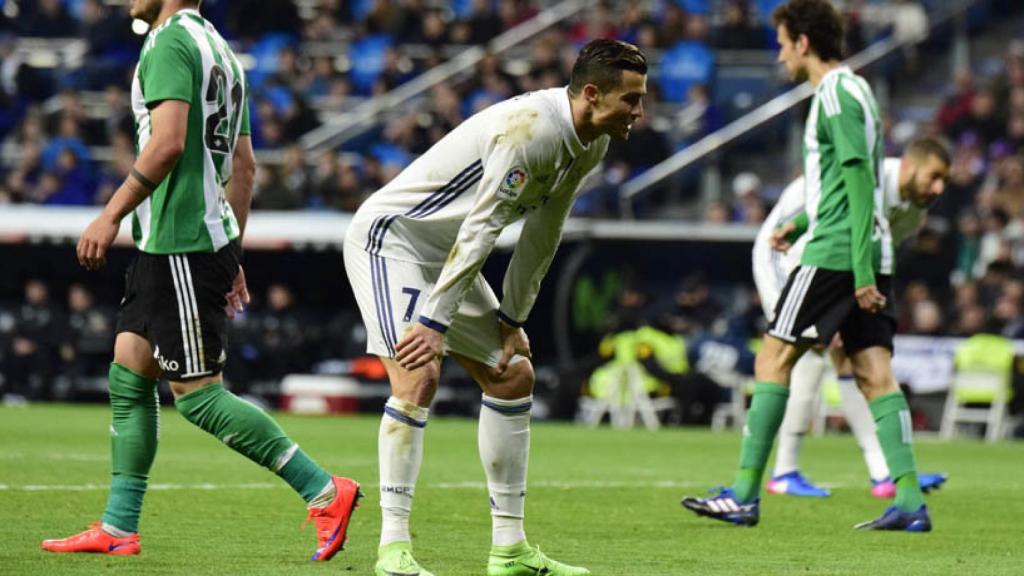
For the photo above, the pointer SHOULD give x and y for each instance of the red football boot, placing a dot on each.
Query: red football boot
(332, 520)
(95, 540)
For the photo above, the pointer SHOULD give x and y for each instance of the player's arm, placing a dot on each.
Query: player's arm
(239, 195)
(238, 192)
(848, 123)
(532, 257)
(859, 182)
(166, 73)
(475, 240)
(167, 142)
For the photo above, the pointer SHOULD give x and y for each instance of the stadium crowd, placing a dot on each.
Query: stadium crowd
(66, 131)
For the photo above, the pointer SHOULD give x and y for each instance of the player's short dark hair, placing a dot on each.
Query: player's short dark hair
(601, 63)
(922, 148)
(816, 19)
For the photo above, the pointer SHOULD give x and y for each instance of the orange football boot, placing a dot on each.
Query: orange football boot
(95, 540)
(332, 520)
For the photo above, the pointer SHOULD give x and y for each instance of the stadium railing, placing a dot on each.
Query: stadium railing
(733, 133)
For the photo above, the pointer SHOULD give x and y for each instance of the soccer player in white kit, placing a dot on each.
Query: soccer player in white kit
(413, 255)
(910, 184)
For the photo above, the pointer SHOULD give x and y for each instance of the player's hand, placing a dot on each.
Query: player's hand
(420, 346)
(238, 297)
(97, 238)
(870, 299)
(513, 341)
(778, 238)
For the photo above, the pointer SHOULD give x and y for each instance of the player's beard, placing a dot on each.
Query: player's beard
(146, 10)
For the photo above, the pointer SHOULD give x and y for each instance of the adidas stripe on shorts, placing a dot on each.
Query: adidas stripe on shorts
(816, 303)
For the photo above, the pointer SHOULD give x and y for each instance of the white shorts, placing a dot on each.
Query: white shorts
(390, 294)
(771, 270)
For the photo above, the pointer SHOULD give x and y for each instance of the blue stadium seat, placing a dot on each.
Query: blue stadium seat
(683, 65)
(367, 57)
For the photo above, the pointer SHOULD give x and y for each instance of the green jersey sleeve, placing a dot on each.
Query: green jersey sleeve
(246, 128)
(849, 128)
(167, 70)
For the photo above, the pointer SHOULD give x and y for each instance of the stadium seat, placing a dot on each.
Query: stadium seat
(980, 390)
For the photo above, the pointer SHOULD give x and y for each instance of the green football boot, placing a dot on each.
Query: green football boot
(524, 560)
(396, 559)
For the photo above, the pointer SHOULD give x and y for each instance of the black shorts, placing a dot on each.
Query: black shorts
(176, 301)
(816, 303)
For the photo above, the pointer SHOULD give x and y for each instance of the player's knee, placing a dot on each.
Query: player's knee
(516, 382)
(771, 367)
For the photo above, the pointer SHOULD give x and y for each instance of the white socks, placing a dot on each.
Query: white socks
(804, 384)
(862, 423)
(400, 452)
(504, 438)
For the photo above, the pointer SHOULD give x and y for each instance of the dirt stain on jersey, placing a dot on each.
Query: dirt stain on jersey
(519, 127)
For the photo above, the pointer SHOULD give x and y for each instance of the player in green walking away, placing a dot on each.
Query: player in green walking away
(843, 281)
(190, 191)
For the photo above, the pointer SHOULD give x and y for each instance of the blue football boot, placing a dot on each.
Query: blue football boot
(725, 507)
(896, 519)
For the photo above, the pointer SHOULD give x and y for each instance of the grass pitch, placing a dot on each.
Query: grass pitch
(602, 498)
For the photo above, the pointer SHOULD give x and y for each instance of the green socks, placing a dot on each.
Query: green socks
(134, 426)
(895, 434)
(767, 408)
(254, 434)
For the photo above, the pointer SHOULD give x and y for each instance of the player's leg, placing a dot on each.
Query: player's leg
(862, 424)
(135, 413)
(190, 335)
(389, 294)
(400, 453)
(810, 310)
(504, 442)
(868, 341)
(503, 433)
(805, 383)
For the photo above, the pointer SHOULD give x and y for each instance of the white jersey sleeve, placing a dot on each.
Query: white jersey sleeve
(506, 173)
(537, 244)
(771, 267)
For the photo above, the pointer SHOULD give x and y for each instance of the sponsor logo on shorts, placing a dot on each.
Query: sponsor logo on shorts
(165, 364)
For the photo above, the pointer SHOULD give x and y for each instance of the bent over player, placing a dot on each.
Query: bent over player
(413, 255)
(189, 192)
(909, 185)
(843, 281)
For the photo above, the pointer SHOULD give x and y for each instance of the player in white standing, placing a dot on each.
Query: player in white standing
(910, 184)
(413, 255)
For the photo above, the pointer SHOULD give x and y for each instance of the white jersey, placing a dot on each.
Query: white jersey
(517, 159)
(772, 268)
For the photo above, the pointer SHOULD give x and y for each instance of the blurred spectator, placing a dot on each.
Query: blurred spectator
(958, 104)
(971, 320)
(88, 335)
(981, 120)
(748, 206)
(698, 117)
(597, 22)
(1007, 314)
(33, 344)
(692, 308)
(484, 23)
(738, 31)
(284, 332)
(47, 18)
(926, 319)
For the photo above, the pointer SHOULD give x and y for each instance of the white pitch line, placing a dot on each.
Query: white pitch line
(465, 485)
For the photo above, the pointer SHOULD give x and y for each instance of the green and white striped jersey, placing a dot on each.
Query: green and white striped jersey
(843, 126)
(186, 59)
